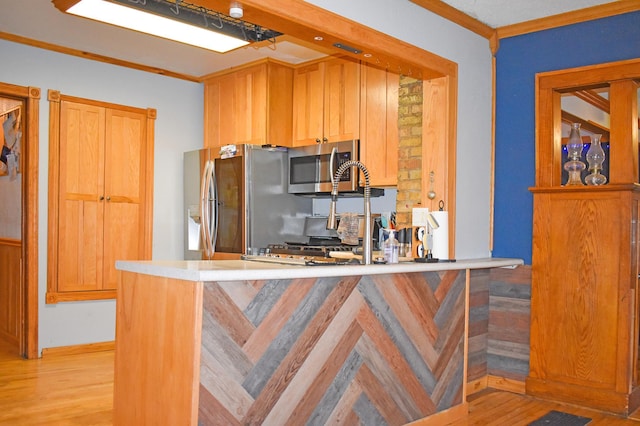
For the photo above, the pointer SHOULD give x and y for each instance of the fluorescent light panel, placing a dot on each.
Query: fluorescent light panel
(135, 19)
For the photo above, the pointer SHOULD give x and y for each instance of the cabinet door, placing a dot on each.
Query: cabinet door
(124, 190)
(308, 102)
(379, 125)
(341, 114)
(81, 183)
(251, 105)
(582, 297)
(219, 111)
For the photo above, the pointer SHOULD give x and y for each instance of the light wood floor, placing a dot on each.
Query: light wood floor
(78, 390)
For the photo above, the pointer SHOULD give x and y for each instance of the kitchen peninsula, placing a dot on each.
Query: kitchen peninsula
(246, 343)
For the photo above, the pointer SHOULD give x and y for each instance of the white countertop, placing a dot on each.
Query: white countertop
(233, 270)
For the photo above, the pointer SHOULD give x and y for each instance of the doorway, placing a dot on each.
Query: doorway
(19, 116)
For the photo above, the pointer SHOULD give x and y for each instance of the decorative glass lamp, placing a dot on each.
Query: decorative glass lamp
(574, 150)
(595, 158)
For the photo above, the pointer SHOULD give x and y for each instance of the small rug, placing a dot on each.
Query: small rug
(558, 418)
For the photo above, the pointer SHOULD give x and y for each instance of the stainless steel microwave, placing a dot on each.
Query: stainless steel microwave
(310, 168)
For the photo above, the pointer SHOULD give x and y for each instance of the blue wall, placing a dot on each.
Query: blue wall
(517, 62)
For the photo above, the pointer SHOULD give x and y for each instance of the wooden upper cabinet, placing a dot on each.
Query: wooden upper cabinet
(251, 105)
(379, 125)
(100, 195)
(326, 102)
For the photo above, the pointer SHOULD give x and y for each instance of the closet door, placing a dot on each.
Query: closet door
(100, 195)
(124, 190)
(81, 183)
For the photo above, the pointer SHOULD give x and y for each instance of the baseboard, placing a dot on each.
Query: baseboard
(502, 383)
(495, 382)
(445, 417)
(79, 349)
(477, 385)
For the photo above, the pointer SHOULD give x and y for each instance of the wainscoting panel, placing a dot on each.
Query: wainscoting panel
(478, 324)
(382, 349)
(10, 254)
(509, 323)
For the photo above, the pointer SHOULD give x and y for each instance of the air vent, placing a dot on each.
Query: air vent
(347, 48)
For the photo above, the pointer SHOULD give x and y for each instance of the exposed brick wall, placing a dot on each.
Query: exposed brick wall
(410, 98)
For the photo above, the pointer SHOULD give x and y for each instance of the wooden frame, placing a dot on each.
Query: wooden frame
(584, 302)
(54, 295)
(624, 109)
(28, 341)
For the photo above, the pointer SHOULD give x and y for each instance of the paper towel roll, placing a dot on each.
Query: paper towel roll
(441, 235)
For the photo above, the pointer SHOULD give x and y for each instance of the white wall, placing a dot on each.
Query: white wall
(178, 128)
(415, 25)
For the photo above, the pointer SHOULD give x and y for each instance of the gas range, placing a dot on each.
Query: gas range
(300, 249)
(301, 254)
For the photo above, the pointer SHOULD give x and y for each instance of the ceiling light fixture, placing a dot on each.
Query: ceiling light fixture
(173, 20)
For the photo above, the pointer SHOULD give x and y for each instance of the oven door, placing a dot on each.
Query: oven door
(310, 168)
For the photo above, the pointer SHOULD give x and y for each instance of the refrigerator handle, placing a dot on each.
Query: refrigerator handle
(214, 204)
(205, 212)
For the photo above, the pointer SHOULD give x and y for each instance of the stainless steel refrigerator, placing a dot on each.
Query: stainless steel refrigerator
(239, 204)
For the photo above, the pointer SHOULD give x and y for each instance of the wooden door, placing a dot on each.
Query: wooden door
(308, 101)
(341, 114)
(124, 190)
(81, 186)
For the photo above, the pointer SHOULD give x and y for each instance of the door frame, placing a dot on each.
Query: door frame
(28, 330)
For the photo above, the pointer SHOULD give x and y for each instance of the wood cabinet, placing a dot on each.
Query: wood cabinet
(379, 124)
(585, 264)
(583, 296)
(326, 102)
(251, 105)
(100, 196)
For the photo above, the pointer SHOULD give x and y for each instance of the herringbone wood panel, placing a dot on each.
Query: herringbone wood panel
(373, 350)
(78, 390)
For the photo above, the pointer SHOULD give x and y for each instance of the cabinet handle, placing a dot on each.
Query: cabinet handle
(317, 140)
(108, 198)
(101, 197)
(325, 140)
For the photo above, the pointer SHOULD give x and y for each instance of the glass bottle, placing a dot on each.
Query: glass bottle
(595, 158)
(574, 150)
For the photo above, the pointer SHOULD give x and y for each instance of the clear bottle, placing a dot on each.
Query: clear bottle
(391, 246)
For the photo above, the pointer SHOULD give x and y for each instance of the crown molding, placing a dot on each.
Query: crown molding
(456, 16)
(582, 15)
(495, 34)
